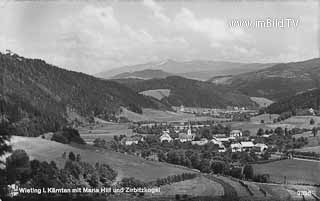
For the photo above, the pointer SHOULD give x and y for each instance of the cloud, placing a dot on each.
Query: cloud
(95, 37)
(157, 11)
(215, 29)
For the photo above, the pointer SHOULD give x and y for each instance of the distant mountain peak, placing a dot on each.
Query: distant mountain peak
(143, 74)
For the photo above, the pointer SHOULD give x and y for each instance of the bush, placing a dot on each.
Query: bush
(312, 122)
(68, 135)
(58, 137)
(236, 172)
(262, 178)
(248, 172)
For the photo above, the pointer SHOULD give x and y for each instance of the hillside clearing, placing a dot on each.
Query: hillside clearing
(157, 93)
(261, 101)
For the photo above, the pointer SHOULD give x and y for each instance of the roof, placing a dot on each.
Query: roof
(236, 131)
(247, 144)
(236, 145)
(260, 145)
(165, 135)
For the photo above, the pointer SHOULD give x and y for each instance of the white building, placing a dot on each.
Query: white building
(260, 147)
(132, 140)
(235, 133)
(247, 146)
(181, 108)
(165, 137)
(311, 110)
(236, 147)
(222, 148)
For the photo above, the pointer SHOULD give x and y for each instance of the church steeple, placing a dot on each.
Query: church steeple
(189, 130)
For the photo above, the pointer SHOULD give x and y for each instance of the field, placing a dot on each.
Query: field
(293, 171)
(293, 122)
(126, 165)
(197, 186)
(266, 118)
(303, 121)
(313, 142)
(160, 116)
(104, 130)
(315, 149)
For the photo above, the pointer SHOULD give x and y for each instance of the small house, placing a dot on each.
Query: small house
(236, 133)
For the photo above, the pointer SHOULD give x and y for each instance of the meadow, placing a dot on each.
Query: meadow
(104, 130)
(291, 171)
(125, 165)
(161, 116)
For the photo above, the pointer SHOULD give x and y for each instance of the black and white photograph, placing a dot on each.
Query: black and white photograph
(159, 100)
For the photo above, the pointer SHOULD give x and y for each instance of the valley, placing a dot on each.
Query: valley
(191, 138)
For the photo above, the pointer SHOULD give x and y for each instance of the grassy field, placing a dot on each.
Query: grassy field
(313, 142)
(199, 186)
(104, 130)
(295, 171)
(293, 122)
(303, 121)
(126, 165)
(160, 116)
(315, 149)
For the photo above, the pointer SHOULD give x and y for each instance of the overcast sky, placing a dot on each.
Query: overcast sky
(100, 35)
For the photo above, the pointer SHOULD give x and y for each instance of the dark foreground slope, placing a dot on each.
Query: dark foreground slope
(37, 97)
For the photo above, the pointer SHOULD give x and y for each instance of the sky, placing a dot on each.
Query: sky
(95, 36)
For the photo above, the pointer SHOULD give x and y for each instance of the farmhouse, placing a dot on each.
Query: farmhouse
(236, 147)
(260, 147)
(235, 133)
(247, 146)
(132, 140)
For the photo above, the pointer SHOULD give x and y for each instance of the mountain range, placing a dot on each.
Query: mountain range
(37, 97)
(195, 69)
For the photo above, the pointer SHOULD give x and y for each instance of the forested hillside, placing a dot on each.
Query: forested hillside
(192, 93)
(38, 97)
(310, 99)
(279, 81)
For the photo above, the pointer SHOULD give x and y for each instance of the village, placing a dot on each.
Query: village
(236, 140)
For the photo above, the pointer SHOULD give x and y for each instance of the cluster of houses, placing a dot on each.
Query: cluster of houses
(237, 142)
(214, 111)
(218, 139)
